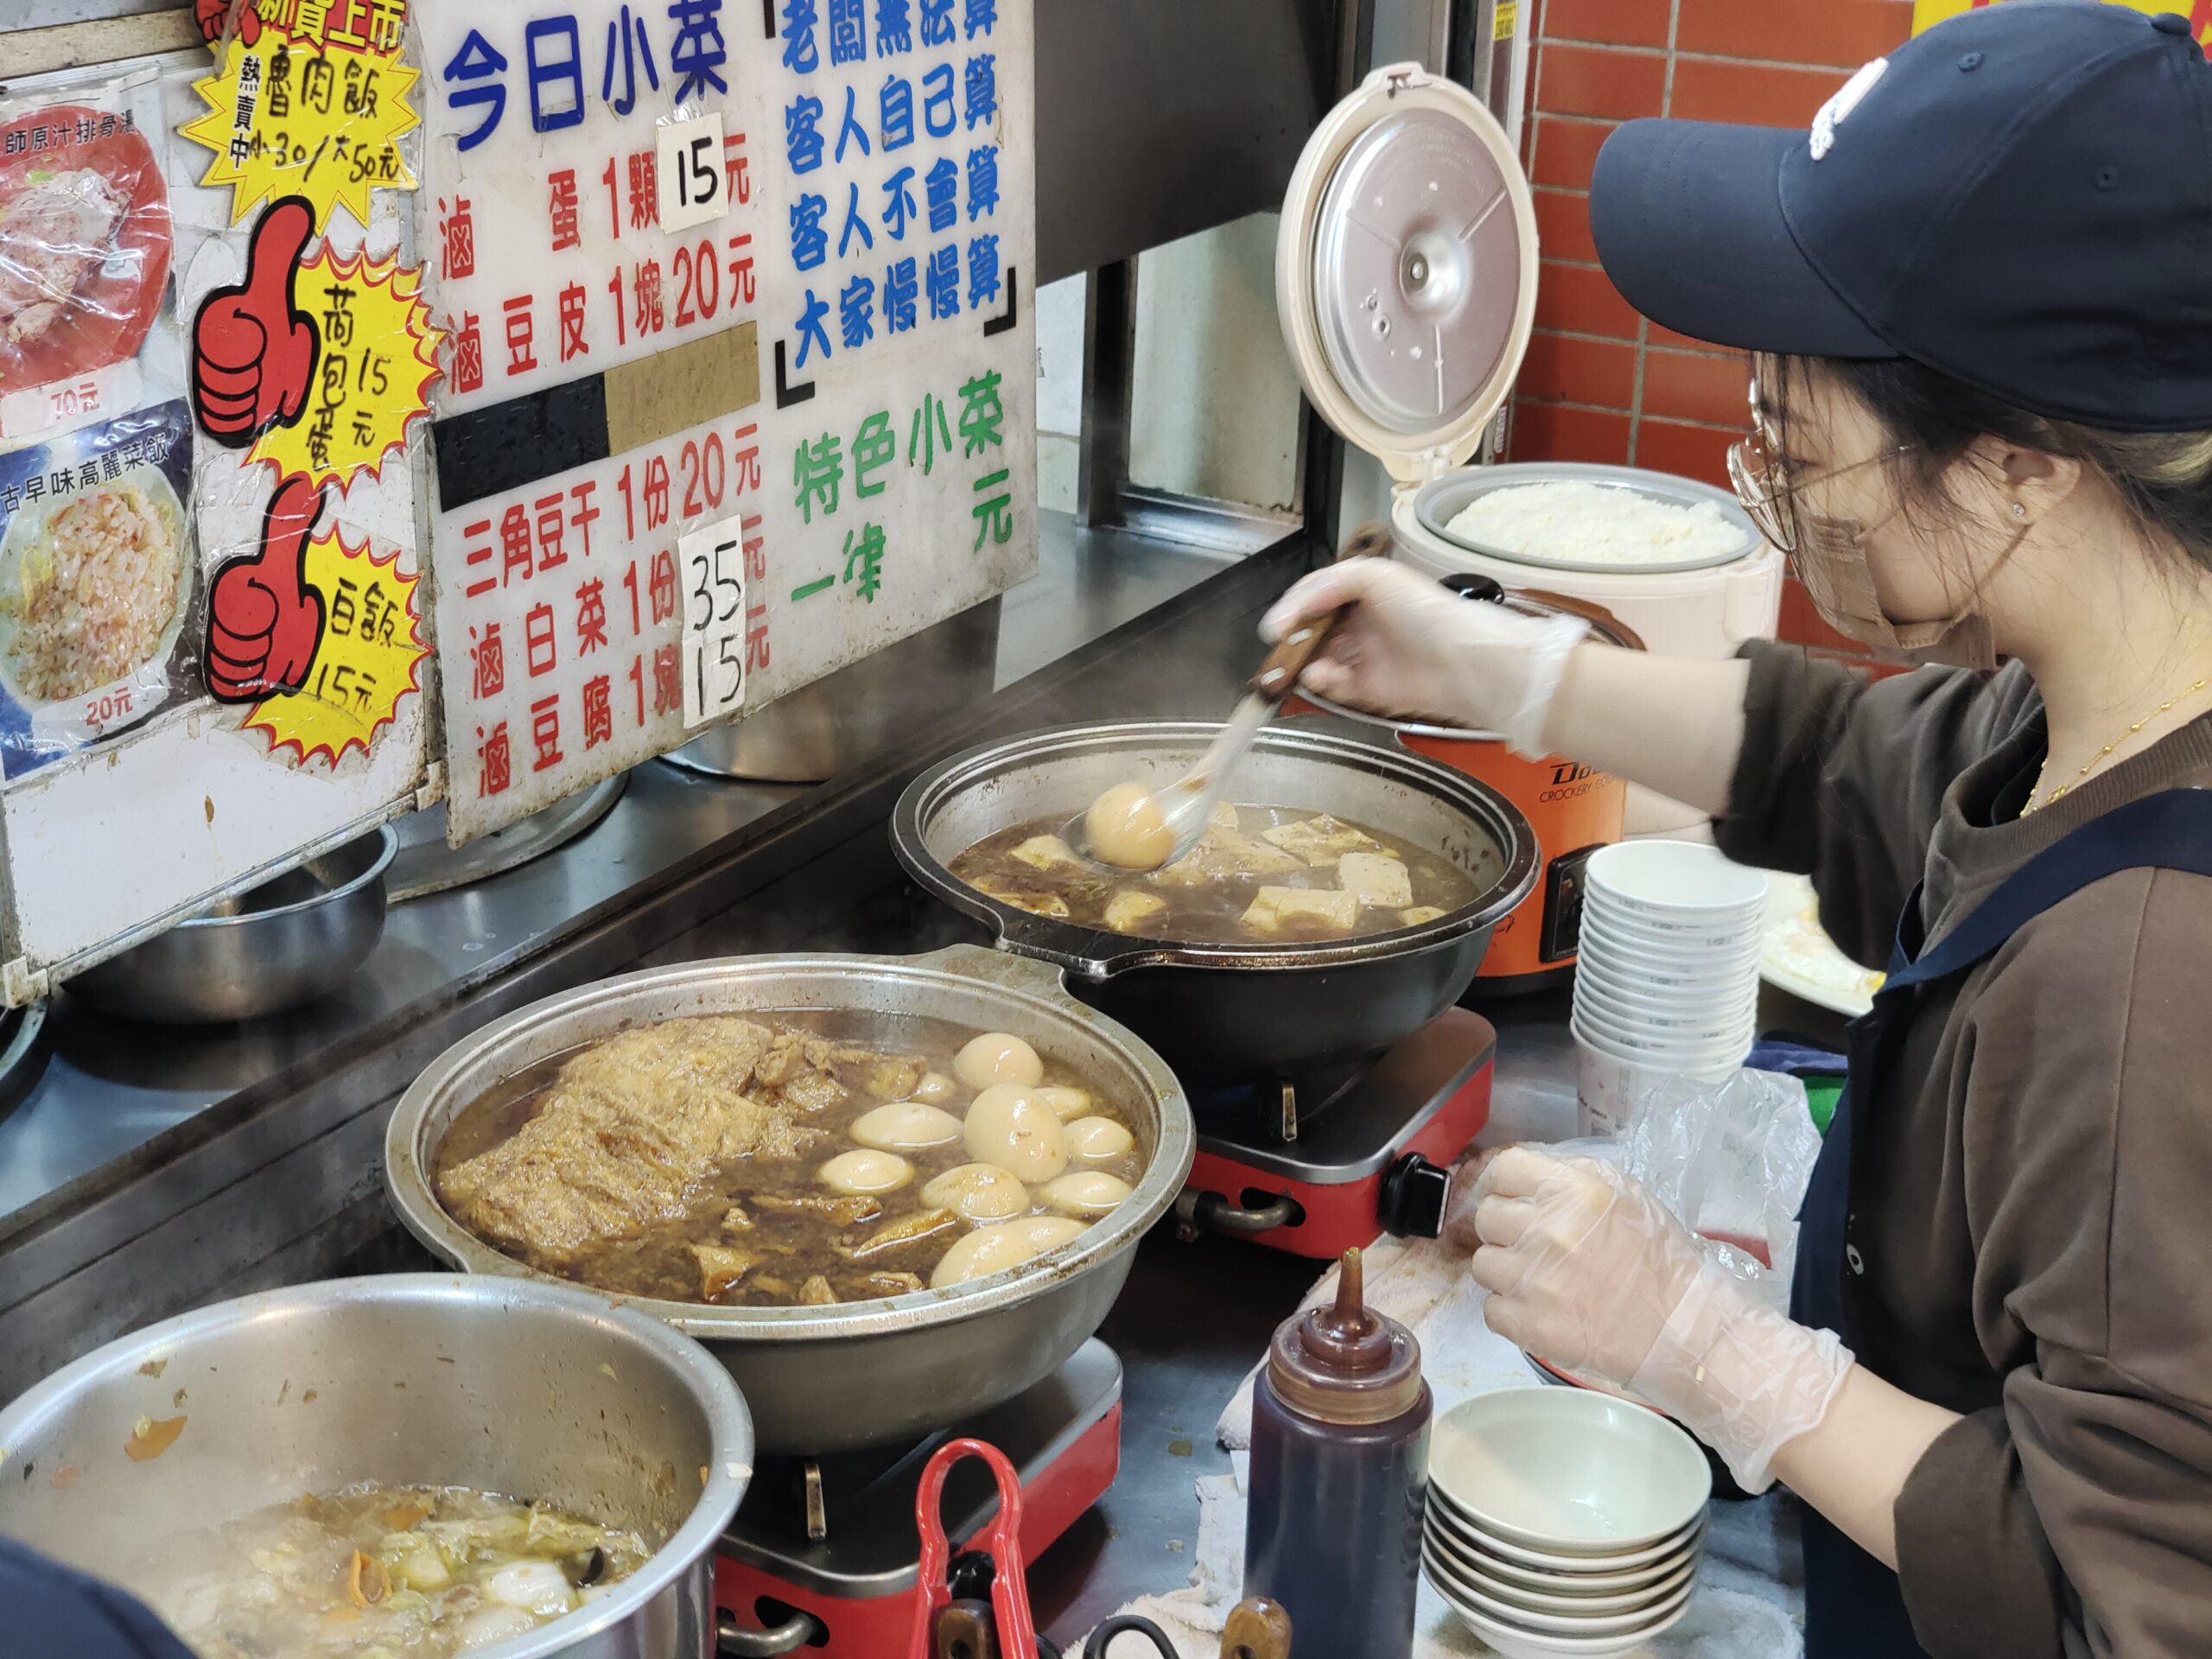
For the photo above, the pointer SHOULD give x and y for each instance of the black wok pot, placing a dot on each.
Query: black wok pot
(1243, 1013)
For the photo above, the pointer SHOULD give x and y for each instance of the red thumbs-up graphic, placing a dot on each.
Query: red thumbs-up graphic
(210, 14)
(253, 351)
(264, 619)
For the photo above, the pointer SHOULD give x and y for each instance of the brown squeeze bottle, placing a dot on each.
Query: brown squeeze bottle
(1339, 1467)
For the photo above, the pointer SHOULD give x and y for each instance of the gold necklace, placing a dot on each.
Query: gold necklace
(2101, 755)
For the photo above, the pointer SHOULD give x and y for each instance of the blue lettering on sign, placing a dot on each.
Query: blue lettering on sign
(811, 336)
(941, 277)
(942, 186)
(634, 43)
(898, 101)
(802, 54)
(810, 239)
(854, 222)
(554, 72)
(894, 28)
(937, 22)
(938, 119)
(699, 53)
(982, 89)
(983, 181)
(982, 17)
(982, 271)
(476, 61)
(848, 31)
(856, 312)
(899, 291)
(852, 131)
(802, 132)
(900, 208)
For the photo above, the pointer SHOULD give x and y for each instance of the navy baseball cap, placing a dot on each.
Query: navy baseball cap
(2021, 199)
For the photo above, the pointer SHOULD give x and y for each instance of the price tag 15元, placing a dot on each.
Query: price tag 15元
(712, 560)
(690, 177)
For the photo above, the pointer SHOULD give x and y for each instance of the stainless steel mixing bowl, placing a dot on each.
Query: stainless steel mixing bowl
(533, 1391)
(275, 946)
(825, 1379)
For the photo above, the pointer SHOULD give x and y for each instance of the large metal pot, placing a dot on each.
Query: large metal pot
(825, 1379)
(539, 1391)
(275, 946)
(861, 710)
(1246, 1011)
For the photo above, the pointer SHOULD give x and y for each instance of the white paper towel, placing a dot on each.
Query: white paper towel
(1750, 1601)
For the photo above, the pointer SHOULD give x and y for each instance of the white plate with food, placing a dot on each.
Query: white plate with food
(1795, 956)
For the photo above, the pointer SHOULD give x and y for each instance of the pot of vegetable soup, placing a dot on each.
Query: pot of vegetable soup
(413, 1463)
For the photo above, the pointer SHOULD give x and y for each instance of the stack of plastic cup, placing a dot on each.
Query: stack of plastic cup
(1667, 982)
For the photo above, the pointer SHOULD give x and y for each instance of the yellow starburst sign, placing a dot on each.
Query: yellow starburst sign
(364, 662)
(377, 356)
(282, 121)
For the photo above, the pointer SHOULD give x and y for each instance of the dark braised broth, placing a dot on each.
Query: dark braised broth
(807, 1244)
(1261, 875)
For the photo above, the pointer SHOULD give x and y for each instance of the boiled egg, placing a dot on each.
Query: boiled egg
(1095, 1140)
(906, 1126)
(1013, 1128)
(864, 1174)
(979, 1192)
(997, 1057)
(1084, 1192)
(1065, 1102)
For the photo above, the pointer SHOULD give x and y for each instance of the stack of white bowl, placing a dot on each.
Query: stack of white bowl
(1560, 1523)
(1666, 979)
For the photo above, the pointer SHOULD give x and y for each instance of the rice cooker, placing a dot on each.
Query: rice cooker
(1406, 286)
(1573, 809)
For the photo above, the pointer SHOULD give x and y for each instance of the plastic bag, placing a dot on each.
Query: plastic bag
(1731, 1160)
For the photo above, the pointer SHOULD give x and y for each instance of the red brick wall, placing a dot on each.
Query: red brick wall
(1601, 382)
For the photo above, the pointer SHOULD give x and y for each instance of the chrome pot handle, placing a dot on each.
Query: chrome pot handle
(1199, 1212)
(789, 1636)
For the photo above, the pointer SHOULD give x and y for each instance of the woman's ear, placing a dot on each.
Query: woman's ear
(2011, 484)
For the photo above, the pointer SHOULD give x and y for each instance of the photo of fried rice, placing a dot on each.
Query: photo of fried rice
(89, 586)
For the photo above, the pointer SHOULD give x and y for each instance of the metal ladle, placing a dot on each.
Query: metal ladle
(1187, 806)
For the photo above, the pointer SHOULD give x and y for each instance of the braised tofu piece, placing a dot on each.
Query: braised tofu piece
(1221, 853)
(734, 1220)
(817, 1292)
(721, 1268)
(1223, 817)
(847, 1209)
(1045, 852)
(1322, 840)
(1302, 913)
(1374, 879)
(1418, 915)
(894, 1284)
(1128, 911)
(1049, 904)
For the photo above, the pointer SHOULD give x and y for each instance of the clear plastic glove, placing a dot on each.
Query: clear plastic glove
(1587, 1269)
(1411, 647)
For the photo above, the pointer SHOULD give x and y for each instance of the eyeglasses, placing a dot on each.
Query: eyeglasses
(1763, 481)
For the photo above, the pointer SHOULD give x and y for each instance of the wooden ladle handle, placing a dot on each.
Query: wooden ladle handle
(1279, 673)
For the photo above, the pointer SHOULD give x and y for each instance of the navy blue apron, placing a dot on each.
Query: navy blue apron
(1853, 1606)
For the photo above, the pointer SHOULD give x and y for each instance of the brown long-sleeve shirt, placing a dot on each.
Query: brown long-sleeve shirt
(2034, 1200)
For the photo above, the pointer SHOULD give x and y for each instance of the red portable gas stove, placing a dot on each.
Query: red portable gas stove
(822, 1557)
(1317, 1166)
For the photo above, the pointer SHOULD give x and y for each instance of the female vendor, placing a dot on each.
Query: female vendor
(1978, 295)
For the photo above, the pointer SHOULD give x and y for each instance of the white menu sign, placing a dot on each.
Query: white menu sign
(804, 346)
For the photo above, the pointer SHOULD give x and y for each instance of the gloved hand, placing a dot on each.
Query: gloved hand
(1411, 647)
(1589, 1271)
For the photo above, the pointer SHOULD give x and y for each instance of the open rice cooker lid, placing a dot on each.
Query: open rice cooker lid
(1726, 535)
(1406, 270)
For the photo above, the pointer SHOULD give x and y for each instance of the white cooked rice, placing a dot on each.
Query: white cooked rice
(1595, 523)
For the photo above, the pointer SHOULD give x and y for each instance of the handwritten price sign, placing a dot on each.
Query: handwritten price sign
(323, 126)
